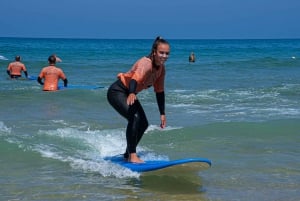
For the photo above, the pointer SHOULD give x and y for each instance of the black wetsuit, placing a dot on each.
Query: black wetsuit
(137, 121)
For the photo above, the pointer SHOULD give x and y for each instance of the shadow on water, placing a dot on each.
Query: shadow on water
(181, 179)
(172, 184)
(169, 184)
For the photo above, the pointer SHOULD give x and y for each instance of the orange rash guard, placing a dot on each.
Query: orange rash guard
(145, 75)
(16, 68)
(51, 74)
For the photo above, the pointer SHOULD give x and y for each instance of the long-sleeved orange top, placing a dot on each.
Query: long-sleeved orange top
(51, 74)
(145, 75)
(16, 68)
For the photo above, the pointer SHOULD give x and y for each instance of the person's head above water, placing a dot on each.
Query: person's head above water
(52, 59)
(18, 58)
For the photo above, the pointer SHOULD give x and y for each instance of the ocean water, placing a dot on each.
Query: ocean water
(237, 105)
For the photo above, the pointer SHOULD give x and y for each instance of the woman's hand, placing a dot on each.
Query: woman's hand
(163, 121)
(131, 98)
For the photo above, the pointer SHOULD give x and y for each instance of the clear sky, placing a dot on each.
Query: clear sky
(181, 19)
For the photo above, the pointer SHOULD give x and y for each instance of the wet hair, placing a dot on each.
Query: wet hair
(18, 58)
(157, 41)
(52, 59)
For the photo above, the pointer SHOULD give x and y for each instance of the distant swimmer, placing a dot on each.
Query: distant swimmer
(51, 75)
(57, 58)
(192, 57)
(14, 69)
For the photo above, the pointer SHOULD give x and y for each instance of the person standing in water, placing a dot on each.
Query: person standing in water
(192, 57)
(14, 69)
(122, 94)
(51, 74)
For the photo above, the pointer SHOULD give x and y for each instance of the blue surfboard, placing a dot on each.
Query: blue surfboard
(187, 163)
(32, 77)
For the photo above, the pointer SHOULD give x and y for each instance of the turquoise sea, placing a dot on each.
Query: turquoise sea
(237, 105)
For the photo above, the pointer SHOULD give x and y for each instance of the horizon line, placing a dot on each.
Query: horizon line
(91, 38)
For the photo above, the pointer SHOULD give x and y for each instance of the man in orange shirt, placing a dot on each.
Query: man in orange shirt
(122, 94)
(14, 69)
(51, 74)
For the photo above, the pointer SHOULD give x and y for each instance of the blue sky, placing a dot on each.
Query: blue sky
(182, 19)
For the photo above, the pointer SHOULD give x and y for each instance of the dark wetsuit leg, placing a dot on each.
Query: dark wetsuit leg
(137, 121)
(15, 76)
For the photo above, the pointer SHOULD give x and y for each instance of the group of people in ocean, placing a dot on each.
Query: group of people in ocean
(122, 94)
(48, 77)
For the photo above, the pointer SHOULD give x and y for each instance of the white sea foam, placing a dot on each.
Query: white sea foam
(105, 168)
(3, 57)
(4, 128)
(156, 127)
(92, 146)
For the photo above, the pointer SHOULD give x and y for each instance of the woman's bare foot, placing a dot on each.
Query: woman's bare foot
(133, 158)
